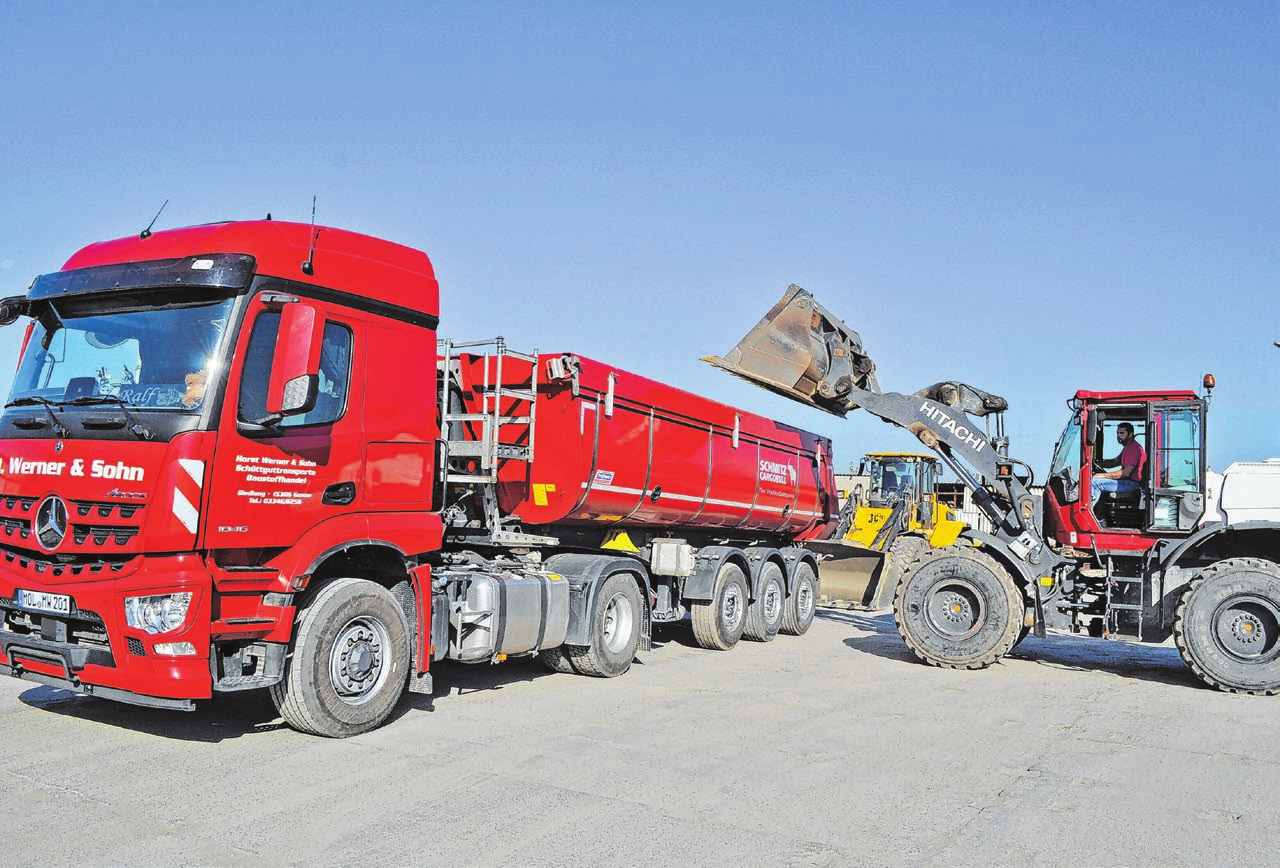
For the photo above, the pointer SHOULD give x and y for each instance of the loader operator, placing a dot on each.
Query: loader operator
(1128, 478)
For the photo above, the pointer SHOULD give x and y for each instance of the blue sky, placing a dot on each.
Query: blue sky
(1029, 197)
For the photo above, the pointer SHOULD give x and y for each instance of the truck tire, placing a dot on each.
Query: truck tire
(797, 614)
(349, 661)
(615, 631)
(958, 608)
(764, 615)
(719, 624)
(556, 659)
(1227, 626)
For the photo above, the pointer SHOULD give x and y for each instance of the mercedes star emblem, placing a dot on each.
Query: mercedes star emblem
(51, 522)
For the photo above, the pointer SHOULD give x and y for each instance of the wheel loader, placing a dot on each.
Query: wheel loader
(1187, 553)
(884, 525)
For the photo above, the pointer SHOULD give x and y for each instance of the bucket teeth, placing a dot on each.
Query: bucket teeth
(801, 351)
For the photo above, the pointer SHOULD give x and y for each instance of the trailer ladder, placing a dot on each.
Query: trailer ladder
(501, 404)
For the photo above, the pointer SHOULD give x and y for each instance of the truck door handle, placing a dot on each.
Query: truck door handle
(339, 494)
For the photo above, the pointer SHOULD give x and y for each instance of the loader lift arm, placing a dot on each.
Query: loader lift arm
(801, 351)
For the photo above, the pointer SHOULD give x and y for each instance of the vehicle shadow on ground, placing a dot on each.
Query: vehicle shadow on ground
(226, 717)
(1160, 664)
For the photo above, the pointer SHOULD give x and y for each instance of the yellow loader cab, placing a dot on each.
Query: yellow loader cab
(886, 522)
(899, 484)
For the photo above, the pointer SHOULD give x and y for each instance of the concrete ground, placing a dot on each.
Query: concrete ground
(835, 748)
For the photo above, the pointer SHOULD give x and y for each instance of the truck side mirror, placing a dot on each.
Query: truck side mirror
(1091, 427)
(13, 307)
(295, 366)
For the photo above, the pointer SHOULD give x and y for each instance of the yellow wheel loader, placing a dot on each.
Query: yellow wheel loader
(885, 523)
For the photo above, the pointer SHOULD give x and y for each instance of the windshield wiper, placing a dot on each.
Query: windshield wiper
(58, 428)
(134, 425)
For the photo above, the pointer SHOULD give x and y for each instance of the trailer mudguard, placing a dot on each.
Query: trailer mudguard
(701, 586)
(792, 558)
(585, 574)
(757, 557)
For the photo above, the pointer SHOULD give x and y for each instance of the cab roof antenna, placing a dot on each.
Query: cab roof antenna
(308, 267)
(146, 233)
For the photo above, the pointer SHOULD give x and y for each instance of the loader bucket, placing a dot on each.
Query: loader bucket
(851, 574)
(803, 352)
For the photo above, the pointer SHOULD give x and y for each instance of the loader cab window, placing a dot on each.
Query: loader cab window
(1066, 462)
(335, 374)
(1125, 507)
(892, 479)
(1177, 467)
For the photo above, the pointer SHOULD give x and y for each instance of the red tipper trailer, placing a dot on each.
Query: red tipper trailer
(236, 456)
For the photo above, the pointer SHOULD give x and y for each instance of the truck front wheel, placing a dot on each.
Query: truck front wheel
(349, 661)
(958, 608)
(719, 624)
(1227, 627)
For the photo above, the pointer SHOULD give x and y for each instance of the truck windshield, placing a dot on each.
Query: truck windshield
(150, 358)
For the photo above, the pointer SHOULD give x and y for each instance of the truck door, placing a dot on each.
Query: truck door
(1175, 466)
(273, 481)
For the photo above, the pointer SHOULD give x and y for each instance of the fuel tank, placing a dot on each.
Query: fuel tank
(610, 447)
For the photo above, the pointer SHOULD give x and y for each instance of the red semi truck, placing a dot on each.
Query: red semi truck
(236, 456)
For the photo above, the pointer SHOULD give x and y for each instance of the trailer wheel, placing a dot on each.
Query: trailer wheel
(349, 661)
(615, 633)
(958, 608)
(764, 616)
(797, 615)
(1227, 626)
(556, 659)
(719, 624)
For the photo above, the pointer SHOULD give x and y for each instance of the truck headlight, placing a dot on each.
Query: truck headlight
(158, 614)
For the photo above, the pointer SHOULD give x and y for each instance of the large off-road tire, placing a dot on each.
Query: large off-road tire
(349, 660)
(902, 554)
(764, 615)
(1227, 626)
(797, 615)
(615, 632)
(958, 608)
(719, 624)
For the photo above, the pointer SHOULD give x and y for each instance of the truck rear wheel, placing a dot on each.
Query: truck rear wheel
(1227, 626)
(615, 631)
(958, 608)
(349, 661)
(797, 614)
(719, 624)
(764, 616)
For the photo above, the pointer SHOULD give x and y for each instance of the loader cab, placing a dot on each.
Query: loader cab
(1169, 498)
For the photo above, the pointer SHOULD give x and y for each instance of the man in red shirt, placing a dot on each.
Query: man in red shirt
(1129, 475)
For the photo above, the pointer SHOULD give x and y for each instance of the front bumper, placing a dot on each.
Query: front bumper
(92, 650)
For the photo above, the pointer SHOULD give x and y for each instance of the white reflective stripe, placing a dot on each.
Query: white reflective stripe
(195, 469)
(182, 506)
(617, 489)
(185, 512)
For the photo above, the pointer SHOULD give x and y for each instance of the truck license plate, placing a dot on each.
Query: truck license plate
(59, 603)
